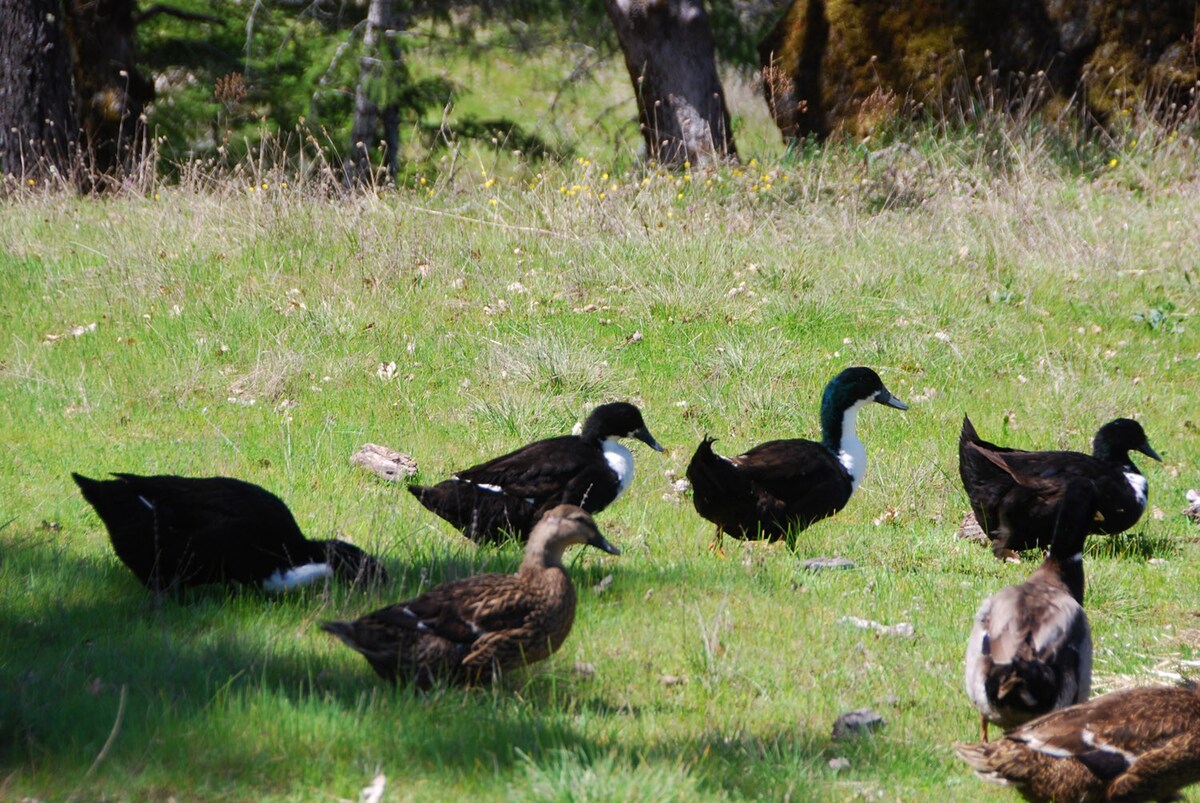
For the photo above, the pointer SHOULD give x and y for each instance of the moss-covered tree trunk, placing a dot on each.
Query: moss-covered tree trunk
(37, 123)
(111, 93)
(668, 48)
(380, 61)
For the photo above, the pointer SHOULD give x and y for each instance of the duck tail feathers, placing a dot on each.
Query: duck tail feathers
(969, 435)
(979, 758)
(1025, 685)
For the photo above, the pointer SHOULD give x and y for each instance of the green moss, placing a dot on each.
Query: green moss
(938, 56)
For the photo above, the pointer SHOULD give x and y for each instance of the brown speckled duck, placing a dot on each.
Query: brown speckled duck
(1030, 650)
(1136, 744)
(469, 630)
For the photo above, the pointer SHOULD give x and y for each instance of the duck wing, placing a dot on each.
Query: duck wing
(562, 470)
(464, 610)
(1155, 730)
(538, 471)
(795, 481)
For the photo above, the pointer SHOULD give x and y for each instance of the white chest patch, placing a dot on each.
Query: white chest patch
(297, 576)
(620, 460)
(851, 452)
(1138, 483)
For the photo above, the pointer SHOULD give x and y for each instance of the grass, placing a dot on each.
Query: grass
(240, 326)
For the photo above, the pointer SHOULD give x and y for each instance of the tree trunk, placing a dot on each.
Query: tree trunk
(37, 124)
(110, 92)
(668, 48)
(376, 82)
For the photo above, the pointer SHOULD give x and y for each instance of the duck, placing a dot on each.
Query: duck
(175, 532)
(469, 631)
(781, 487)
(1134, 744)
(1030, 650)
(1015, 494)
(507, 495)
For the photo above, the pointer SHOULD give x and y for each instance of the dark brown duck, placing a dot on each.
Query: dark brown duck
(1015, 495)
(1131, 745)
(469, 630)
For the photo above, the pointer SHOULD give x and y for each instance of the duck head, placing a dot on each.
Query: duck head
(617, 420)
(1115, 439)
(856, 385)
(351, 564)
(560, 528)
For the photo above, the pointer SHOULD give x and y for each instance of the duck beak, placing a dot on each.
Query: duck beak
(884, 397)
(1149, 452)
(601, 543)
(643, 435)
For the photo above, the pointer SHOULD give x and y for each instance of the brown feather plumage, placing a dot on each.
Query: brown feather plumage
(470, 630)
(1030, 650)
(1131, 745)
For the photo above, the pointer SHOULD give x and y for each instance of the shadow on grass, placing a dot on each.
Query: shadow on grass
(1131, 545)
(229, 694)
(79, 629)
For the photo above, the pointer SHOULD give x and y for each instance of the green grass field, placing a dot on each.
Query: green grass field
(238, 325)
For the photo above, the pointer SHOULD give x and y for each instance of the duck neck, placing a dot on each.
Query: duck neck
(1069, 571)
(539, 557)
(1103, 450)
(838, 436)
(1066, 550)
(591, 433)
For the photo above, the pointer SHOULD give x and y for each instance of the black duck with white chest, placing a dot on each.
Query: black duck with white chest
(1030, 650)
(469, 630)
(780, 487)
(509, 494)
(1131, 745)
(175, 532)
(1016, 495)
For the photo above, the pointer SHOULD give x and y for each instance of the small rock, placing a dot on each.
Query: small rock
(373, 793)
(1192, 511)
(585, 670)
(856, 722)
(903, 629)
(839, 764)
(603, 585)
(971, 531)
(817, 564)
(387, 463)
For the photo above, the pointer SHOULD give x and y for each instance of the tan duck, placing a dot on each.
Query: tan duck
(1030, 651)
(469, 630)
(1136, 744)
